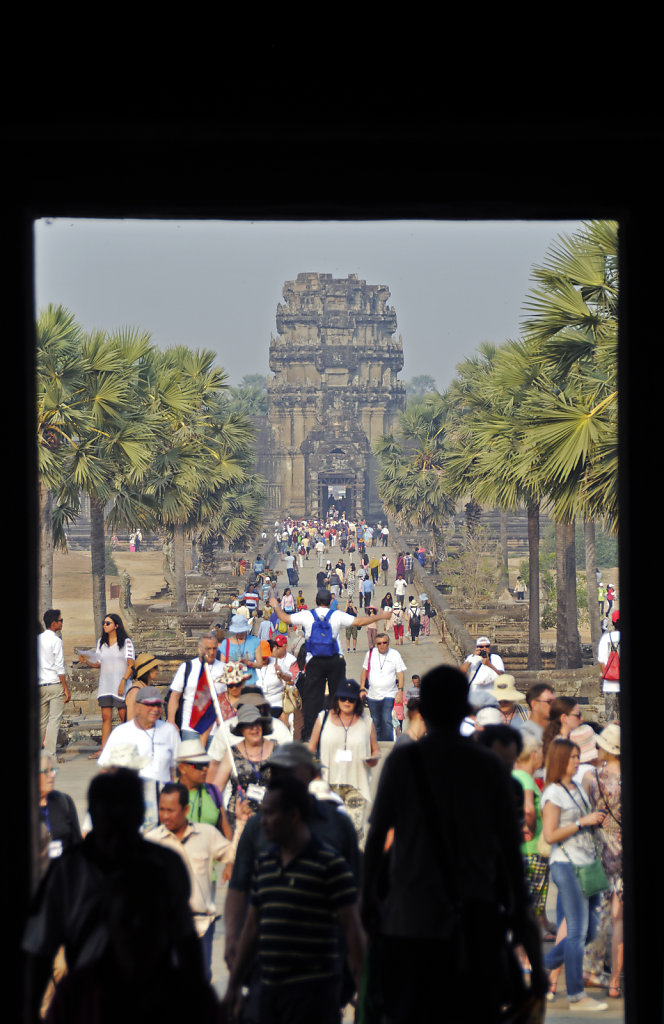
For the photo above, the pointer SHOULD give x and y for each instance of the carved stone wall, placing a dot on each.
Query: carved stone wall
(335, 390)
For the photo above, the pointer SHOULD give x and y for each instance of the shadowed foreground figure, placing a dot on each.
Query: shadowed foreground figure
(120, 907)
(438, 906)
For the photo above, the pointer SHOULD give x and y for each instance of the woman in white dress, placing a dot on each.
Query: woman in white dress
(115, 659)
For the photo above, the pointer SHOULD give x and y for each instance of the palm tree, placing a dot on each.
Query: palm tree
(204, 455)
(485, 450)
(113, 448)
(572, 320)
(59, 419)
(410, 480)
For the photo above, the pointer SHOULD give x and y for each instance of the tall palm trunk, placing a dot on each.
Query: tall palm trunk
(504, 547)
(562, 654)
(591, 584)
(573, 638)
(98, 559)
(180, 576)
(45, 548)
(534, 643)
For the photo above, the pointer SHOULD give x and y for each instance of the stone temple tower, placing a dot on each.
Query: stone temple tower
(334, 392)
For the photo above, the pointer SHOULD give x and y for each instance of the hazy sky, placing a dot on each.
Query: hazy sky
(216, 284)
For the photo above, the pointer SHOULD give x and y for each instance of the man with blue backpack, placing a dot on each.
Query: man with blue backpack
(325, 663)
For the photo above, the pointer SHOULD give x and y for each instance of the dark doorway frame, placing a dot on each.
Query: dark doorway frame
(183, 162)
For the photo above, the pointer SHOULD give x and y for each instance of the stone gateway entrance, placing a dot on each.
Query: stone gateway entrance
(334, 392)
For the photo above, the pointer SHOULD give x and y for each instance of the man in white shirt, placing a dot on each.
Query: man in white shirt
(382, 680)
(152, 738)
(322, 666)
(185, 682)
(54, 691)
(482, 669)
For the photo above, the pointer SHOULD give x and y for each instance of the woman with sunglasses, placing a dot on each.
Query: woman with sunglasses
(115, 660)
(345, 739)
(564, 715)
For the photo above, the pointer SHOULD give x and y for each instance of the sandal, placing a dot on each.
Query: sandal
(615, 992)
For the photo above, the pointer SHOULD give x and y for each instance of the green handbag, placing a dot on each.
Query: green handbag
(592, 877)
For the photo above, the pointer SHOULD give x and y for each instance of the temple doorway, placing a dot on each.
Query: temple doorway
(337, 491)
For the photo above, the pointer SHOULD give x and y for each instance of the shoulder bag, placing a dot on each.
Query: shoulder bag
(591, 877)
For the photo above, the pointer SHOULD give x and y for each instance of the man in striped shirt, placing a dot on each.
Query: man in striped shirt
(301, 892)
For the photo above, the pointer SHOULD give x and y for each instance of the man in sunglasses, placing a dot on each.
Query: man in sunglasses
(482, 669)
(382, 680)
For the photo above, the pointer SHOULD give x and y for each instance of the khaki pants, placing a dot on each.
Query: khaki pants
(52, 705)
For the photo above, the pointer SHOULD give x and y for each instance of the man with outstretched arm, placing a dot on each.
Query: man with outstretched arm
(325, 662)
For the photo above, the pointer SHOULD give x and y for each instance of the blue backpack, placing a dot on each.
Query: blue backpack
(321, 643)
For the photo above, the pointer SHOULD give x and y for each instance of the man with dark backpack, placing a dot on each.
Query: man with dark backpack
(325, 663)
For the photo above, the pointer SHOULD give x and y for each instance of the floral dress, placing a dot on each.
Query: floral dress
(605, 795)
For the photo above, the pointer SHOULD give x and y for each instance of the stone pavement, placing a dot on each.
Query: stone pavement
(75, 773)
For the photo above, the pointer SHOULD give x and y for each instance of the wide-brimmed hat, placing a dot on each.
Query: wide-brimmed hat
(149, 695)
(609, 739)
(249, 715)
(504, 688)
(239, 624)
(144, 663)
(585, 738)
(192, 750)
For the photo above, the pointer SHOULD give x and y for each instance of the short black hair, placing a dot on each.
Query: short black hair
(500, 733)
(536, 690)
(179, 788)
(444, 697)
(293, 794)
(52, 615)
(324, 597)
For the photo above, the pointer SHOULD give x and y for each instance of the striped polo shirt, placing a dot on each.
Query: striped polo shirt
(297, 904)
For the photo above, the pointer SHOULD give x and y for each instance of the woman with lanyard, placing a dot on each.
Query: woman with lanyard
(567, 823)
(249, 771)
(345, 739)
(240, 646)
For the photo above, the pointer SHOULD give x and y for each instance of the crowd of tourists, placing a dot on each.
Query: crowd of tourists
(256, 772)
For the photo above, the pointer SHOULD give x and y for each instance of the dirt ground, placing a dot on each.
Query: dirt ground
(72, 590)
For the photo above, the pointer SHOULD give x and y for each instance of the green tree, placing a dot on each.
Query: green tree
(201, 480)
(485, 449)
(572, 322)
(113, 449)
(410, 479)
(422, 384)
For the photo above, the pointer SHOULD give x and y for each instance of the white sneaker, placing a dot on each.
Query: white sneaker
(588, 1005)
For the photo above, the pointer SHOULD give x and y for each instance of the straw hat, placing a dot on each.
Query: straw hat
(504, 688)
(143, 664)
(609, 739)
(192, 750)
